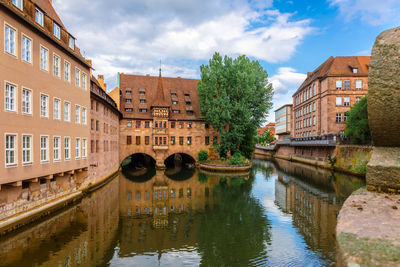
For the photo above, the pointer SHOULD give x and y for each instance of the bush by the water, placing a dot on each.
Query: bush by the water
(203, 155)
(237, 159)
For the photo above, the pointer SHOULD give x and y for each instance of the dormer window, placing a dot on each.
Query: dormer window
(142, 101)
(57, 30)
(143, 110)
(71, 43)
(18, 3)
(142, 93)
(355, 70)
(188, 103)
(39, 17)
(173, 94)
(187, 95)
(176, 111)
(128, 92)
(174, 102)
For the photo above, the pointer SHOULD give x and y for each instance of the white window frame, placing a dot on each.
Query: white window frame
(13, 149)
(58, 67)
(39, 16)
(77, 148)
(14, 103)
(26, 51)
(26, 102)
(44, 60)
(10, 44)
(19, 4)
(56, 115)
(71, 43)
(26, 150)
(46, 114)
(84, 148)
(56, 148)
(77, 77)
(345, 102)
(84, 81)
(84, 116)
(77, 114)
(44, 149)
(67, 148)
(56, 30)
(339, 85)
(359, 84)
(68, 113)
(67, 71)
(339, 101)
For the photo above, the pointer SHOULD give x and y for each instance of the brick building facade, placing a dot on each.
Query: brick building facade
(321, 102)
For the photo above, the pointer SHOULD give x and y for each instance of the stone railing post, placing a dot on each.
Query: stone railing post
(383, 170)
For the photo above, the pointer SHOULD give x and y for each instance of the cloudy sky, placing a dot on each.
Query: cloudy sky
(288, 37)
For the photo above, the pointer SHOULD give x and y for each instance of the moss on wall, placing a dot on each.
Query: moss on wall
(353, 158)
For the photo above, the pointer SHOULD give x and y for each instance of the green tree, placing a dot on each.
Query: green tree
(357, 123)
(265, 138)
(235, 97)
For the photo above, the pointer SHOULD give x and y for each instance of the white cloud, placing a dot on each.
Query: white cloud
(373, 12)
(286, 80)
(132, 36)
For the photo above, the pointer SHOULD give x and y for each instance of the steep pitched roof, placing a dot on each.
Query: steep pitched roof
(159, 100)
(338, 66)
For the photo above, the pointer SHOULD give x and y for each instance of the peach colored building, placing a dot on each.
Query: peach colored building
(104, 132)
(44, 129)
(161, 117)
(320, 104)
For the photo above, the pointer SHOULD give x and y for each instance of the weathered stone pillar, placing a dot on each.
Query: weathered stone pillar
(383, 170)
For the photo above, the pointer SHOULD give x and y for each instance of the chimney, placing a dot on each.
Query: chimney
(100, 79)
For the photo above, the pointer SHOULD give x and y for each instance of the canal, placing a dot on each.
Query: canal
(282, 214)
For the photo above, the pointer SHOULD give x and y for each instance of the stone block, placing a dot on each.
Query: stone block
(383, 169)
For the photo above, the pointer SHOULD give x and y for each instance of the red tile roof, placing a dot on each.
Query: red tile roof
(338, 66)
(185, 90)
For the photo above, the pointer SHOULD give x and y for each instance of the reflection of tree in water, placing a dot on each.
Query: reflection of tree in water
(262, 167)
(237, 230)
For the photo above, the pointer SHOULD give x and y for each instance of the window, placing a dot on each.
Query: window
(338, 101)
(189, 125)
(142, 101)
(128, 109)
(339, 85)
(345, 116)
(43, 148)
(71, 43)
(56, 148)
(314, 106)
(358, 98)
(174, 102)
(346, 85)
(18, 3)
(66, 111)
(77, 114)
(10, 40)
(146, 140)
(146, 124)
(56, 65)
(26, 101)
(39, 17)
(26, 49)
(181, 140)
(189, 140)
(355, 70)
(315, 89)
(338, 117)
(97, 125)
(137, 140)
(84, 148)
(172, 140)
(346, 102)
(84, 116)
(314, 120)
(56, 30)
(129, 140)
(77, 77)
(77, 148)
(44, 103)
(67, 148)
(138, 124)
(44, 53)
(26, 149)
(128, 100)
(56, 109)
(172, 124)
(67, 71)
(129, 124)
(142, 93)
(84, 81)
(176, 111)
(10, 150)
(142, 110)
(359, 84)
(207, 140)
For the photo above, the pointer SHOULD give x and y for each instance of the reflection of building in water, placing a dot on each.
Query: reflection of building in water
(159, 214)
(79, 236)
(161, 196)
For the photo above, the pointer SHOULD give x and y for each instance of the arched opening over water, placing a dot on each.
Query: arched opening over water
(139, 167)
(180, 166)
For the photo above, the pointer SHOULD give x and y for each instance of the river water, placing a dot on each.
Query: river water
(282, 214)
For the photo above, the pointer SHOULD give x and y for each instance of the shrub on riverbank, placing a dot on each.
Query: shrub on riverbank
(203, 155)
(237, 159)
